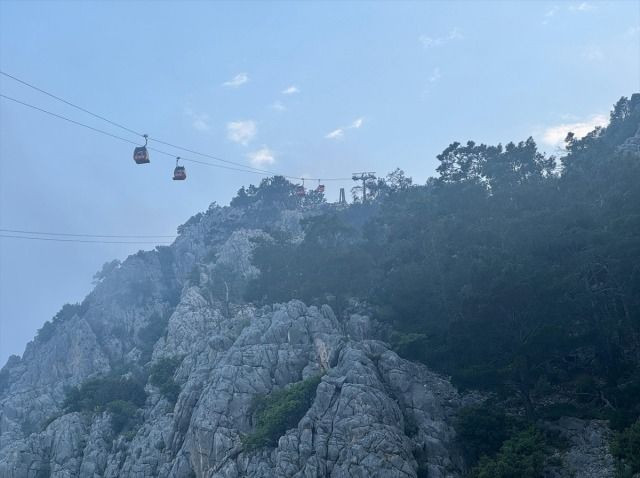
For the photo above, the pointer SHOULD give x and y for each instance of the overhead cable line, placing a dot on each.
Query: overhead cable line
(55, 239)
(133, 236)
(69, 103)
(257, 170)
(97, 130)
(125, 128)
(77, 123)
(243, 169)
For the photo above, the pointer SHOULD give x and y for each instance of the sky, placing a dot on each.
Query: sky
(312, 89)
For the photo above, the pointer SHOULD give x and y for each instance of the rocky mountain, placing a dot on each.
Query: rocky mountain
(373, 413)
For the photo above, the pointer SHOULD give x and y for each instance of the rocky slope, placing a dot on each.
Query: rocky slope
(374, 413)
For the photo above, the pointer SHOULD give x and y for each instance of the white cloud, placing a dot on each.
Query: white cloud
(555, 135)
(552, 11)
(241, 131)
(236, 81)
(291, 90)
(278, 106)
(262, 157)
(335, 134)
(199, 121)
(339, 133)
(549, 14)
(581, 7)
(429, 42)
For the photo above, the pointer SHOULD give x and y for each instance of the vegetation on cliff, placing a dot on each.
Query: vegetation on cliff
(279, 411)
(513, 271)
(120, 396)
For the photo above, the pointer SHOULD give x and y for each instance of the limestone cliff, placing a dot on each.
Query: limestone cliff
(374, 414)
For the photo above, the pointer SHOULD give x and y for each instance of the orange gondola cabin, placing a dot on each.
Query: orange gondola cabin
(180, 173)
(141, 154)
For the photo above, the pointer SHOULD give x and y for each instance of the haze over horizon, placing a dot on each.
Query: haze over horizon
(294, 88)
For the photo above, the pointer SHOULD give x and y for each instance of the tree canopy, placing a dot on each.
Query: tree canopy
(512, 271)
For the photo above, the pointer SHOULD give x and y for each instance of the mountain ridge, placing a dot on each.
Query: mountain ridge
(161, 369)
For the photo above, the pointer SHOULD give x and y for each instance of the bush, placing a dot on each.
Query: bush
(411, 346)
(626, 447)
(482, 430)
(272, 192)
(522, 456)
(95, 394)
(67, 312)
(161, 376)
(149, 334)
(122, 414)
(107, 268)
(166, 259)
(45, 332)
(119, 396)
(5, 372)
(190, 222)
(4, 379)
(279, 411)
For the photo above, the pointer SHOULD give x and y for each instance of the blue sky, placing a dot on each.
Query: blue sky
(306, 88)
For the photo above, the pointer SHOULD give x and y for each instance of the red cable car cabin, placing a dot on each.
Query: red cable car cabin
(141, 155)
(300, 191)
(179, 174)
(320, 188)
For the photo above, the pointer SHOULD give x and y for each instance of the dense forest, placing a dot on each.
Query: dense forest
(513, 272)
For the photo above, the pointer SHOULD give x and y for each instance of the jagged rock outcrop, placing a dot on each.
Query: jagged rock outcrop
(587, 454)
(357, 425)
(374, 414)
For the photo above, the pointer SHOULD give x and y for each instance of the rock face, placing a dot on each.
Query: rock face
(374, 414)
(588, 453)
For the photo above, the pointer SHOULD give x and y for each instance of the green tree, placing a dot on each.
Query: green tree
(504, 273)
(522, 456)
(161, 376)
(626, 447)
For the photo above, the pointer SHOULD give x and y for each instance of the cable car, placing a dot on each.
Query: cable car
(300, 191)
(320, 188)
(179, 174)
(140, 154)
